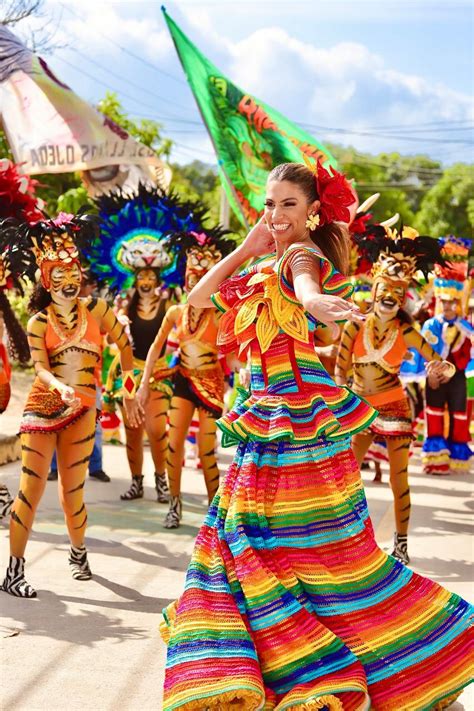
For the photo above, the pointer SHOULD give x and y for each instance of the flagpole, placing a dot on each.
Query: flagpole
(224, 210)
(219, 162)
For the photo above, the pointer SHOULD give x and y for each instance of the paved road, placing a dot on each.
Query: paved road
(94, 646)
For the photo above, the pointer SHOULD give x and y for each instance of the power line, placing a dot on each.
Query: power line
(107, 85)
(408, 126)
(448, 129)
(127, 51)
(155, 117)
(342, 131)
(398, 127)
(127, 81)
(361, 159)
(412, 128)
(192, 150)
(358, 159)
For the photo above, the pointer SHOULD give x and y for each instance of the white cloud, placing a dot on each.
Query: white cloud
(88, 25)
(346, 86)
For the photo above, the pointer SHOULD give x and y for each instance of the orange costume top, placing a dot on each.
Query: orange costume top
(206, 331)
(388, 356)
(74, 357)
(207, 379)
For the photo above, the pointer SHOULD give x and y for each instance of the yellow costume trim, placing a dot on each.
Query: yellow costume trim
(276, 313)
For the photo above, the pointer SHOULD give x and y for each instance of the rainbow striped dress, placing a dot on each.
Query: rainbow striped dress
(289, 603)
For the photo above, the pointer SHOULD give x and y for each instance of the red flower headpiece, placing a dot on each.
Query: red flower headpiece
(334, 191)
(17, 194)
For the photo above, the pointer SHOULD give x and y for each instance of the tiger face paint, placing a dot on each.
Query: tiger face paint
(199, 261)
(146, 282)
(388, 297)
(65, 282)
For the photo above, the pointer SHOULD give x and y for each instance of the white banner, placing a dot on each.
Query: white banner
(52, 130)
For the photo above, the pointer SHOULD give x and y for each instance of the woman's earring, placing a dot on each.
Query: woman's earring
(313, 221)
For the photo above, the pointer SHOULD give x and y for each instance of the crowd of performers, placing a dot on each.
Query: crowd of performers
(287, 592)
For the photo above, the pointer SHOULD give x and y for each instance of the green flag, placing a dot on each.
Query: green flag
(249, 137)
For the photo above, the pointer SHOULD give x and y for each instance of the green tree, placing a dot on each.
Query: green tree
(146, 131)
(73, 199)
(199, 181)
(448, 208)
(5, 151)
(371, 176)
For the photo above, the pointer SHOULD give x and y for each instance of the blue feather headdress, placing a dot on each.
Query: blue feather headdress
(133, 235)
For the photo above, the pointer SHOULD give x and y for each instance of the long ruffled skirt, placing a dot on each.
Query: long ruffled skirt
(290, 604)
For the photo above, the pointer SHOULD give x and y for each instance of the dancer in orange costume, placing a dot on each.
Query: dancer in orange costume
(65, 339)
(375, 351)
(199, 380)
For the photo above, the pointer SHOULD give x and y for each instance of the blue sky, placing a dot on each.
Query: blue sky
(387, 75)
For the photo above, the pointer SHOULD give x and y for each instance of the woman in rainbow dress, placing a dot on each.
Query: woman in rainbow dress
(289, 603)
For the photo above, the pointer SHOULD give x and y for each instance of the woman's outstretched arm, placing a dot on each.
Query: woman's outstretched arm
(326, 308)
(257, 243)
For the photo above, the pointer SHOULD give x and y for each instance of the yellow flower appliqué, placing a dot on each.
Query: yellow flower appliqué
(270, 312)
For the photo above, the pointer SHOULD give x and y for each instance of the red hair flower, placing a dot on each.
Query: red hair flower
(335, 195)
(334, 191)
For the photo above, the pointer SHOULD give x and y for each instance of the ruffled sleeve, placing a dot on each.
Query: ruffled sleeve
(232, 290)
(331, 281)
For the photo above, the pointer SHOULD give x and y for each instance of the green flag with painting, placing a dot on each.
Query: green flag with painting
(249, 137)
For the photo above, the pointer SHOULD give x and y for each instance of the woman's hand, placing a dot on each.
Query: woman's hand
(244, 378)
(134, 411)
(68, 395)
(328, 309)
(143, 393)
(439, 372)
(259, 241)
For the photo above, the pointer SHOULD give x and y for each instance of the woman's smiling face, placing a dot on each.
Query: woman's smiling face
(286, 211)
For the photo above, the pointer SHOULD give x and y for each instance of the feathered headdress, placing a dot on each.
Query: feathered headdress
(451, 277)
(197, 252)
(11, 272)
(398, 255)
(134, 229)
(15, 263)
(48, 243)
(360, 266)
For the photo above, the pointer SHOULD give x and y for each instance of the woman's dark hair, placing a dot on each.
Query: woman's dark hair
(18, 348)
(39, 300)
(332, 239)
